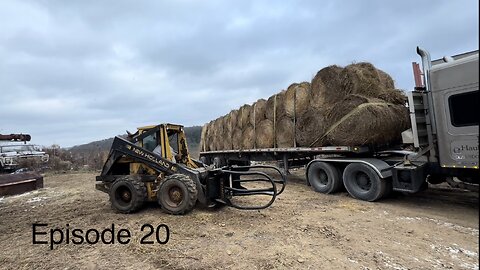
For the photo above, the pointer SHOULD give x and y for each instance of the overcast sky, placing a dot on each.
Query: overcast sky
(76, 71)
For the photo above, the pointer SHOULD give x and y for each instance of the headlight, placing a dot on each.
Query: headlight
(8, 161)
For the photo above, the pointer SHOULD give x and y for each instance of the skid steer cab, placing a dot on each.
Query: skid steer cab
(154, 164)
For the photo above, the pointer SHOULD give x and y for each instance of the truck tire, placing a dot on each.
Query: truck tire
(127, 194)
(324, 177)
(177, 194)
(363, 183)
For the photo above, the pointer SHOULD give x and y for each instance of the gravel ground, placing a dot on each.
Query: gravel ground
(436, 229)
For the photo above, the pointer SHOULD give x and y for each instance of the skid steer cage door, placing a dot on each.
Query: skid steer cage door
(238, 176)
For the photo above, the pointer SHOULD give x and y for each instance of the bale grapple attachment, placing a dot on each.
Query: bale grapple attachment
(262, 184)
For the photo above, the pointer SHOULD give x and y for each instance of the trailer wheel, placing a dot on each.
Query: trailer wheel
(177, 194)
(363, 183)
(324, 177)
(127, 194)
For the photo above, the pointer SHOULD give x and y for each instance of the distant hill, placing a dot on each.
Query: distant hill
(193, 141)
(102, 145)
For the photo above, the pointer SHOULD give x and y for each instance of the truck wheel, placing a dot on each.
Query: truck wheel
(324, 177)
(177, 194)
(363, 183)
(127, 194)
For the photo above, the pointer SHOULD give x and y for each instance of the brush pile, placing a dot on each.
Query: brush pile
(353, 105)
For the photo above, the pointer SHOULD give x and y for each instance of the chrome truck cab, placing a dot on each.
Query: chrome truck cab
(444, 117)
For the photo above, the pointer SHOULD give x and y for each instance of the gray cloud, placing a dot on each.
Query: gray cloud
(76, 71)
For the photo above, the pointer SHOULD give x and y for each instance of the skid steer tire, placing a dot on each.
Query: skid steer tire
(177, 194)
(127, 194)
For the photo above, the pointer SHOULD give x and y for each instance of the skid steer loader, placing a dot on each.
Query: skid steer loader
(154, 164)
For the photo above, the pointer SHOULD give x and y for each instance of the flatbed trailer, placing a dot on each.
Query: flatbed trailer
(441, 146)
(325, 165)
(286, 157)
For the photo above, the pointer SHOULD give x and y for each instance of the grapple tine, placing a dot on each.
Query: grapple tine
(233, 187)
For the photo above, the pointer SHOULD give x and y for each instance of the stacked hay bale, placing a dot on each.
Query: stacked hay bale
(352, 105)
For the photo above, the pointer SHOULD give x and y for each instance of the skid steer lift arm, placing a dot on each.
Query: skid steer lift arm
(211, 185)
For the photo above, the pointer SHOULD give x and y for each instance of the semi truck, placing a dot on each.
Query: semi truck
(441, 145)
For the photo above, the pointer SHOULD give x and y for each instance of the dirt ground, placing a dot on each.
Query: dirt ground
(436, 229)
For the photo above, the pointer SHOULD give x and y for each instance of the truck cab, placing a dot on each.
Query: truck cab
(441, 146)
(454, 86)
(444, 116)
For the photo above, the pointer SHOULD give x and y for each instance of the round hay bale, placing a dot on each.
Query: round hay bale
(386, 80)
(363, 79)
(370, 124)
(275, 104)
(310, 126)
(326, 86)
(214, 142)
(343, 107)
(227, 122)
(297, 99)
(227, 137)
(264, 134)
(205, 141)
(281, 112)
(395, 96)
(243, 117)
(258, 111)
(231, 120)
(284, 133)
(226, 143)
(208, 136)
(203, 136)
(237, 139)
(218, 125)
(217, 144)
(402, 116)
(248, 137)
(269, 107)
(317, 98)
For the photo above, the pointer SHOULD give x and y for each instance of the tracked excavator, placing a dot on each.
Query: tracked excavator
(154, 164)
